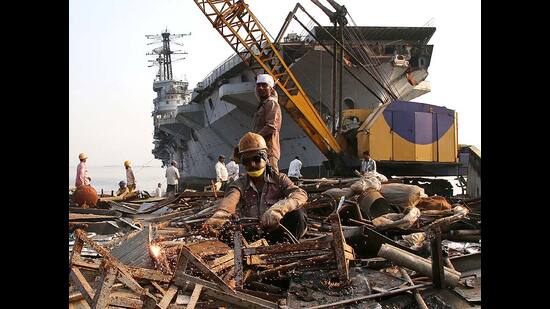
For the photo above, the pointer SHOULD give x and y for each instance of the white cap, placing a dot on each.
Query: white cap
(265, 78)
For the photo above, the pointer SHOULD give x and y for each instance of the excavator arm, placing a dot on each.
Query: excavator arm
(244, 33)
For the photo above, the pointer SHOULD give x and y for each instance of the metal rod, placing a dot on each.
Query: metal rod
(341, 56)
(351, 55)
(334, 85)
(438, 275)
(358, 299)
(417, 295)
(334, 56)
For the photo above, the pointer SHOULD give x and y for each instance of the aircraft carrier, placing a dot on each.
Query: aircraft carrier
(195, 126)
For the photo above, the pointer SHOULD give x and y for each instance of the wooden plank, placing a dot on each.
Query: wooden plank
(77, 249)
(199, 264)
(304, 246)
(172, 290)
(101, 297)
(238, 257)
(339, 252)
(83, 264)
(77, 216)
(82, 285)
(158, 287)
(238, 298)
(194, 297)
(149, 274)
(123, 275)
(126, 302)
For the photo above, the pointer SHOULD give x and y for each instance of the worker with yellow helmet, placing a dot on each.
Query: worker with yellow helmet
(130, 179)
(263, 193)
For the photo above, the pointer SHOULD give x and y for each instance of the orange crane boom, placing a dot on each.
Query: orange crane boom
(242, 31)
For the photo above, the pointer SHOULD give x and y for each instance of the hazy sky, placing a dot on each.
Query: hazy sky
(110, 85)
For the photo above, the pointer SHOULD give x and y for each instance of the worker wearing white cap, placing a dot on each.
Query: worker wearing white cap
(267, 119)
(82, 178)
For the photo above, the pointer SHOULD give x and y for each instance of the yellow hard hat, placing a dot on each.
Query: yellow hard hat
(82, 156)
(251, 142)
(127, 163)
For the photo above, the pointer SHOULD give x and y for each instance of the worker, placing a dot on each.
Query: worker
(82, 178)
(232, 170)
(267, 118)
(221, 173)
(158, 190)
(130, 179)
(122, 189)
(294, 169)
(367, 164)
(172, 178)
(264, 194)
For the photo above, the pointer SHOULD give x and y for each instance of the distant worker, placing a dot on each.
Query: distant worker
(122, 188)
(82, 178)
(158, 191)
(172, 178)
(130, 179)
(232, 170)
(267, 119)
(264, 194)
(221, 173)
(367, 164)
(85, 195)
(294, 169)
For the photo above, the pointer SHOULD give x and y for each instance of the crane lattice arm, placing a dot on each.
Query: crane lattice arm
(242, 31)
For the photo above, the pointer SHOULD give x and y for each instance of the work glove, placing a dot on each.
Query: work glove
(271, 218)
(218, 219)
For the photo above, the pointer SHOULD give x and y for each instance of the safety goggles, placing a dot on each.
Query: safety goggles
(256, 158)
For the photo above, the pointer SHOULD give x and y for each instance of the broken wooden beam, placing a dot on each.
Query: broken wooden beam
(238, 299)
(106, 281)
(203, 268)
(82, 285)
(194, 296)
(168, 296)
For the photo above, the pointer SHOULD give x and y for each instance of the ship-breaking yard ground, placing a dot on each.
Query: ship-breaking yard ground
(152, 252)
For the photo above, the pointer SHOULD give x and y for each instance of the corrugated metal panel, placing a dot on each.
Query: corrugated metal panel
(135, 251)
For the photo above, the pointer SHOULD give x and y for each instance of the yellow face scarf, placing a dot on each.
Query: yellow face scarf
(257, 173)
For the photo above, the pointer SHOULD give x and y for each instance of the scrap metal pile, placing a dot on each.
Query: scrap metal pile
(370, 243)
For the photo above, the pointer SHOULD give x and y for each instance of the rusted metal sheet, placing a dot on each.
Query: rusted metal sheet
(134, 251)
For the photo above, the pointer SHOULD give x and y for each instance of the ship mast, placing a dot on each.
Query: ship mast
(164, 54)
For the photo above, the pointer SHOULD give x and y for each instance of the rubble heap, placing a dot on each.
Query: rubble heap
(370, 243)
